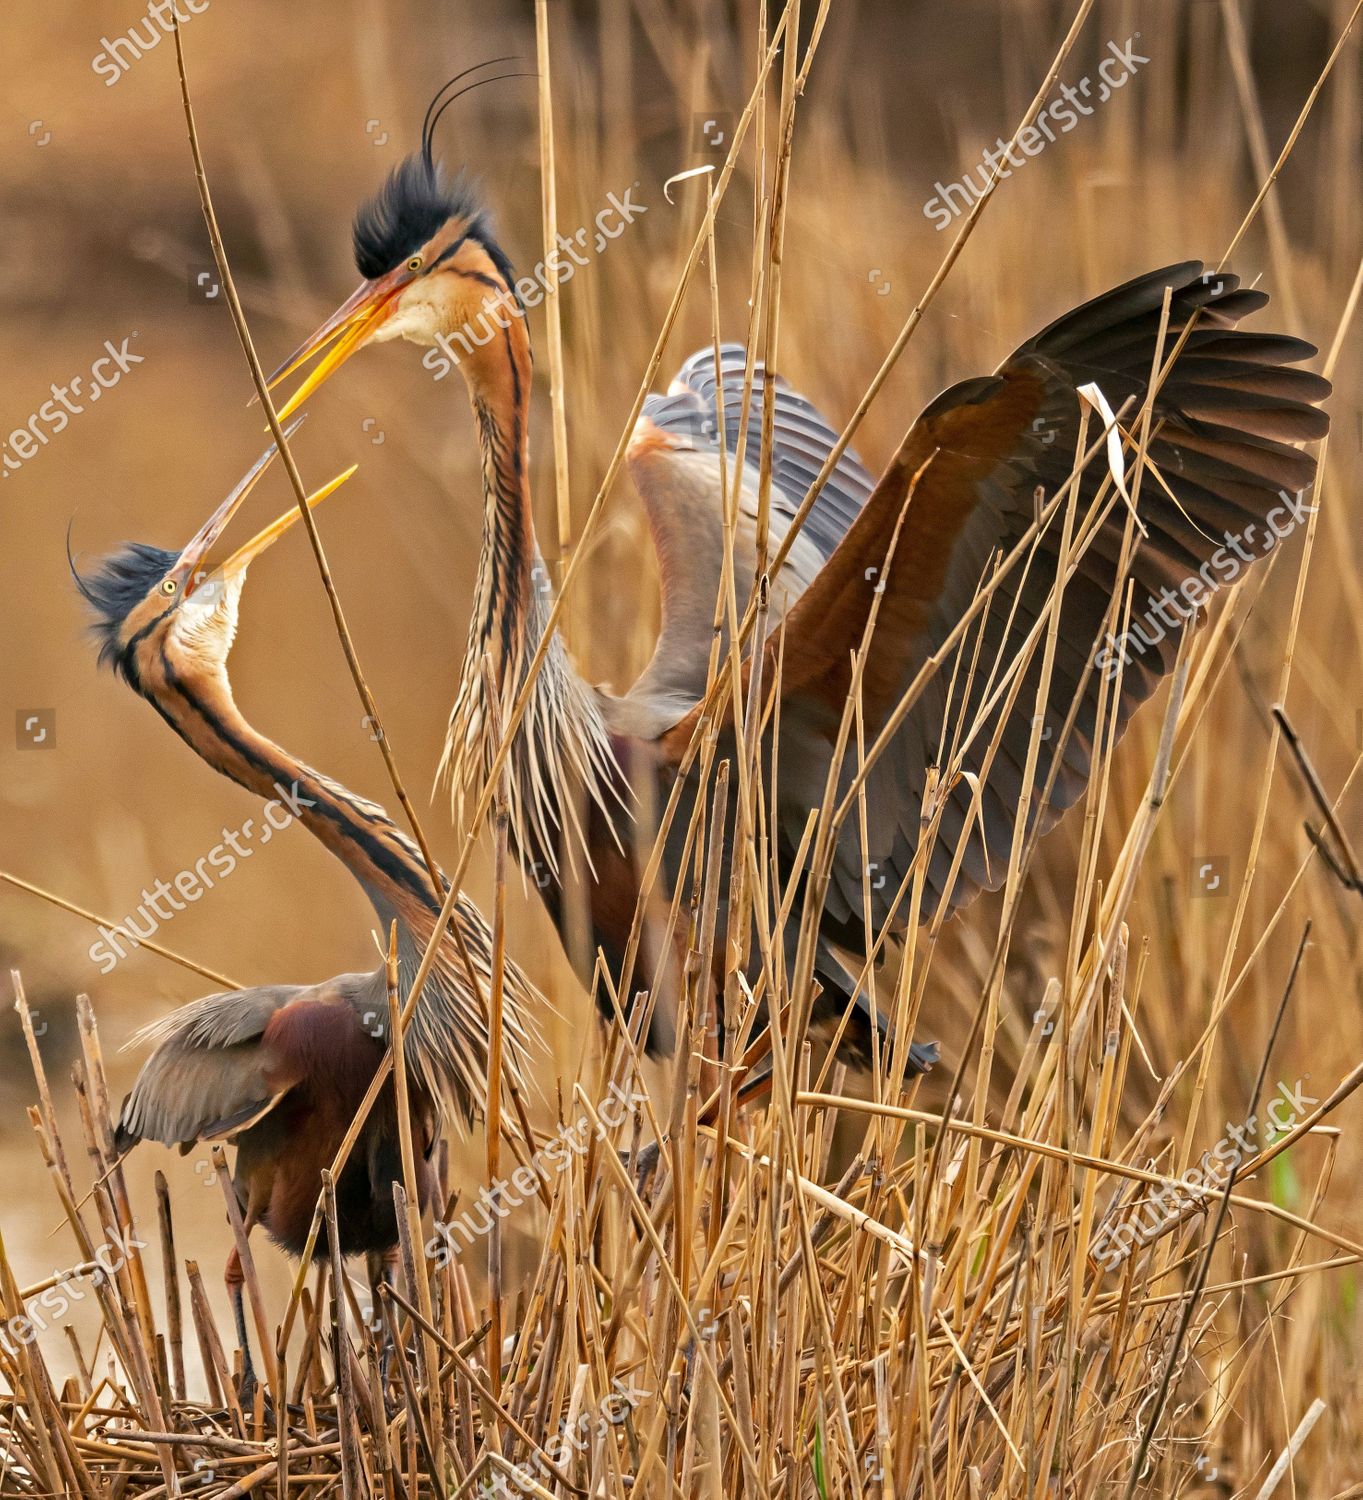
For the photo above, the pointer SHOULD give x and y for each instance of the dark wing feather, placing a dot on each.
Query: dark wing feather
(1224, 422)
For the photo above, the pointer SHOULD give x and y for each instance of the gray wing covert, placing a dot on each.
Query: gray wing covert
(801, 441)
(207, 1074)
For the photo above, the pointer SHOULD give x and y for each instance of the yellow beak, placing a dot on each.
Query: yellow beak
(200, 544)
(243, 557)
(345, 330)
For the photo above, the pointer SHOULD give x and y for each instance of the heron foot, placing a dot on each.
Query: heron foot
(645, 1164)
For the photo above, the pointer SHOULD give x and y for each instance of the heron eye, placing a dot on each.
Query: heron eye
(415, 263)
(168, 586)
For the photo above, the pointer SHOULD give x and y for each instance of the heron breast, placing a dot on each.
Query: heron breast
(324, 1048)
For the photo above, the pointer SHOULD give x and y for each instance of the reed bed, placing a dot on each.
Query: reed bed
(982, 1283)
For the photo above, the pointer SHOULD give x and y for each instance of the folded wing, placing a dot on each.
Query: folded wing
(207, 1077)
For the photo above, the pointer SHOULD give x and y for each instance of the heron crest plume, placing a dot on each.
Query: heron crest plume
(414, 202)
(417, 200)
(115, 587)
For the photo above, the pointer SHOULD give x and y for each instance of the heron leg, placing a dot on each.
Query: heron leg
(755, 1083)
(382, 1267)
(235, 1278)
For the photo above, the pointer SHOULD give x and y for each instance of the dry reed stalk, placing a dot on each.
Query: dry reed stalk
(902, 1294)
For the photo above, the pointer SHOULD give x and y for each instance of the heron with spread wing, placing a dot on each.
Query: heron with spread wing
(280, 1071)
(889, 569)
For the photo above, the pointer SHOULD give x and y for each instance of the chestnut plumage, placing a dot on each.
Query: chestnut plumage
(1224, 429)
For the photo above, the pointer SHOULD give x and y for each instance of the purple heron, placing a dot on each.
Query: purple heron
(280, 1070)
(983, 477)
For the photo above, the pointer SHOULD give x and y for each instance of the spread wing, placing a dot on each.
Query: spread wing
(801, 442)
(674, 462)
(1222, 463)
(207, 1075)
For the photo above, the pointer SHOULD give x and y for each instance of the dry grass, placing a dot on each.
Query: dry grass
(869, 1289)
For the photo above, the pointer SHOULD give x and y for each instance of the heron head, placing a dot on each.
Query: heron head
(431, 270)
(153, 607)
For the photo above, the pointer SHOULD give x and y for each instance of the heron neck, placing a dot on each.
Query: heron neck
(198, 704)
(510, 568)
(513, 594)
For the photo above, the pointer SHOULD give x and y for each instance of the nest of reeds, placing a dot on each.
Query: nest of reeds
(755, 1304)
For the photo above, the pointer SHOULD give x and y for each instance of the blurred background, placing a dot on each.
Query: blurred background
(301, 110)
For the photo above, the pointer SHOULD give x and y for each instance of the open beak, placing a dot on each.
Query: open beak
(345, 330)
(191, 559)
(242, 558)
